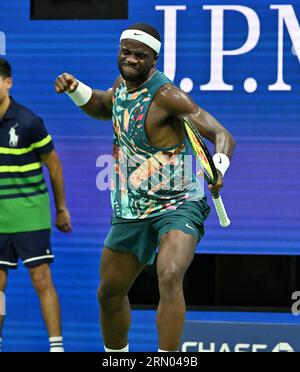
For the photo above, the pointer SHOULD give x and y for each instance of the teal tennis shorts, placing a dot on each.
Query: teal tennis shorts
(142, 237)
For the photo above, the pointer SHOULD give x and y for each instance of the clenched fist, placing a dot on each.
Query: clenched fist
(66, 83)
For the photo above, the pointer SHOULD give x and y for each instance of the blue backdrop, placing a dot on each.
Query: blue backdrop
(262, 187)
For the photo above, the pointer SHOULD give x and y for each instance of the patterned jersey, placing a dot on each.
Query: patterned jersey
(24, 200)
(147, 181)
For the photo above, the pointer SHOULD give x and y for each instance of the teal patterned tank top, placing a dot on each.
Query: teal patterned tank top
(147, 181)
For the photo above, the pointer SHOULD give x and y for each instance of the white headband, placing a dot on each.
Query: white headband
(142, 37)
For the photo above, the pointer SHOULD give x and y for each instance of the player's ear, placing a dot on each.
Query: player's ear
(9, 82)
(155, 59)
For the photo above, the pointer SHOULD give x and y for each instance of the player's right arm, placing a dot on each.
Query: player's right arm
(96, 103)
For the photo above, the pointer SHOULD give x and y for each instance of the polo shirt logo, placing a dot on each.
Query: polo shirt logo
(14, 138)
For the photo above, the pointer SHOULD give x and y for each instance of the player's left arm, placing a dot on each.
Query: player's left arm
(53, 163)
(178, 104)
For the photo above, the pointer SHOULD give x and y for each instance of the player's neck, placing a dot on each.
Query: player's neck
(4, 106)
(132, 86)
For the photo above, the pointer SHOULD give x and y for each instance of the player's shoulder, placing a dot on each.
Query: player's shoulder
(167, 90)
(169, 96)
(26, 116)
(117, 83)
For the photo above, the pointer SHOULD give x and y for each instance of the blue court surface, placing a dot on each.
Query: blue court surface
(76, 278)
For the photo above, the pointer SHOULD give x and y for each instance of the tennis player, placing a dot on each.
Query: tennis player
(25, 221)
(146, 109)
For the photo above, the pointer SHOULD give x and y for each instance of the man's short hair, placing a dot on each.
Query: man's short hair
(5, 68)
(146, 28)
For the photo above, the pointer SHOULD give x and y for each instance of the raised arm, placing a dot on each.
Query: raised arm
(95, 103)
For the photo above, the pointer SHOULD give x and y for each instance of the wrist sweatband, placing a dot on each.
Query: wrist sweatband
(221, 162)
(81, 95)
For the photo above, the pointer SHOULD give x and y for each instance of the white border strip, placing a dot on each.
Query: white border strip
(8, 263)
(56, 339)
(37, 258)
(142, 37)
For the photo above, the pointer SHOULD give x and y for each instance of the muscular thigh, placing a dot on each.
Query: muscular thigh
(118, 271)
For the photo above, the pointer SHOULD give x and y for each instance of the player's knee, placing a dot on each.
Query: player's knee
(170, 280)
(108, 304)
(105, 294)
(101, 295)
(41, 281)
(111, 297)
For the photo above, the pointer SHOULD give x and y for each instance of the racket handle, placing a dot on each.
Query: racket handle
(221, 211)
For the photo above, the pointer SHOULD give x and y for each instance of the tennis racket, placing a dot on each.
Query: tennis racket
(206, 162)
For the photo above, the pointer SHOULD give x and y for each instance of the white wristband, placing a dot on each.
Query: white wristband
(81, 95)
(221, 162)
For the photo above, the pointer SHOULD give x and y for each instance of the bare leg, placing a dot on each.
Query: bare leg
(118, 272)
(175, 256)
(42, 282)
(3, 280)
